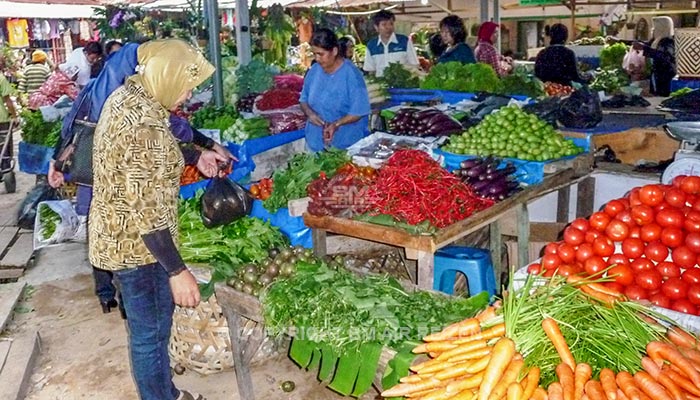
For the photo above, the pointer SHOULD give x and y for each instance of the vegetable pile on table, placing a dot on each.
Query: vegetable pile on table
(557, 89)
(397, 76)
(458, 77)
(343, 195)
(427, 122)
(376, 90)
(487, 179)
(254, 77)
(277, 99)
(646, 243)
(246, 103)
(246, 128)
(262, 189)
(610, 80)
(213, 117)
(513, 133)
(520, 82)
(36, 131)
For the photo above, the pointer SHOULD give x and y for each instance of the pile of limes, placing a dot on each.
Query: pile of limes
(513, 133)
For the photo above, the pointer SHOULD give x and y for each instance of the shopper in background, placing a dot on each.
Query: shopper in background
(557, 63)
(346, 45)
(454, 34)
(661, 50)
(84, 58)
(7, 107)
(334, 97)
(61, 82)
(133, 217)
(112, 47)
(388, 47)
(486, 52)
(35, 74)
(436, 46)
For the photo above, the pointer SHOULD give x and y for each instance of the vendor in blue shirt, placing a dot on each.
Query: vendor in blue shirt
(334, 97)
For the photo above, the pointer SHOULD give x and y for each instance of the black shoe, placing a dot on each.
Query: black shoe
(108, 305)
(122, 311)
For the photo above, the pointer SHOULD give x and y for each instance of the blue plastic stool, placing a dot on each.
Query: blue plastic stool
(474, 263)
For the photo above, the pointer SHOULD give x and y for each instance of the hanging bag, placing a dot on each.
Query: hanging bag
(75, 158)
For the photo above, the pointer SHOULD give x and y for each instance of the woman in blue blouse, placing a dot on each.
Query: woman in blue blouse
(453, 35)
(334, 97)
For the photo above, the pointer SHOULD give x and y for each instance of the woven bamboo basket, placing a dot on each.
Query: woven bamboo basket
(687, 43)
(199, 338)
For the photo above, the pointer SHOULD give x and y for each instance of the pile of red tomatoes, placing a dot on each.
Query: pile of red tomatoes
(647, 243)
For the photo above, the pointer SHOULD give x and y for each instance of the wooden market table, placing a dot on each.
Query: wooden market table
(423, 247)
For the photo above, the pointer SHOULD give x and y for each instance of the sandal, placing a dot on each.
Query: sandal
(185, 395)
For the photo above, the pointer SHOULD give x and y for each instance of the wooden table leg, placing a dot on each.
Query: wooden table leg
(318, 237)
(495, 244)
(426, 265)
(523, 235)
(586, 197)
(563, 197)
(240, 364)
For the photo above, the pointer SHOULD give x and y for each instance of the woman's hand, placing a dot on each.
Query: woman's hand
(223, 151)
(316, 119)
(55, 177)
(328, 132)
(185, 290)
(208, 163)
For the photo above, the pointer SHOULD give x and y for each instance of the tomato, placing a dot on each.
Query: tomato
(668, 269)
(651, 195)
(669, 217)
(642, 214)
(676, 182)
(683, 257)
(635, 232)
(551, 261)
(626, 217)
(580, 224)
(660, 300)
(662, 206)
(632, 248)
(567, 253)
(684, 306)
(691, 184)
(603, 247)
(642, 264)
(693, 294)
(613, 208)
(674, 288)
(573, 236)
(617, 230)
(618, 259)
(650, 232)
(594, 265)
(692, 240)
(633, 197)
(548, 273)
(551, 248)
(634, 292)
(625, 202)
(599, 221)
(584, 252)
(534, 268)
(691, 225)
(656, 251)
(566, 270)
(675, 197)
(672, 237)
(691, 275)
(622, 274)
(592, 235)
(649, 279)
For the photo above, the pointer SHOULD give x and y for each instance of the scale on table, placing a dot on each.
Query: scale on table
(687, 159)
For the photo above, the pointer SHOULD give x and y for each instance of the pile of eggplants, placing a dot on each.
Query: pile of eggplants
(427, 122)
(487, 179)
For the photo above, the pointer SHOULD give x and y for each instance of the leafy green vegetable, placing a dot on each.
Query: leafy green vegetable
(610, 80)
(458, 77)
(36, 131)
(213, 117)
(396, 76)
(681, 92)
(256, 77)
(49, 220)
(611, 56)
(520, 82)
(290, 183)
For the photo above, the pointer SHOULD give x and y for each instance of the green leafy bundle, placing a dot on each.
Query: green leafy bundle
(255, 77)
(36, 131)
(49, 220)
(290, 183)
(611, 56)
(520, 82)
(458, 77)
(213, 117)
(610, 80)
(396, 76)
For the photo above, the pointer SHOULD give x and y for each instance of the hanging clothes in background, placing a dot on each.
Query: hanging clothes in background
(18, 32)
(228, 19)
(85, 30)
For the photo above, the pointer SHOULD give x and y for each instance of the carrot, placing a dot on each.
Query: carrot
(539, 394)
(425, 364)
(503, 352)
(692, 355)
(403, 389)
(625, 381)
(650, 386)
(495, 331)
(462, 348)
(566, 379)
(531, 381)
(671, 387)
(593, 287)
(434, 346)
(582, 374)
(488, 313)
(514, 391)
(651, 367)
(419, 395)
(602, 297)
(621, 395)
(454, 371)
(682, 381)
(431, 369)
(473, 355)
(664, 351)
(585, 397)
(479, 365)
(467, 327)
(509, 376)
(467, 383)
(555, 392)
(413, 378)
(594, 390)
(681, 338)
(438, 394)
(464, 395)
(551, 328)
(607, 380)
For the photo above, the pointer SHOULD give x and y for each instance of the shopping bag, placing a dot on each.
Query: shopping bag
(27, 210)
(224, 201)
(55, 222)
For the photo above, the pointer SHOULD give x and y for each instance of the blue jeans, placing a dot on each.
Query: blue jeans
(149, 305)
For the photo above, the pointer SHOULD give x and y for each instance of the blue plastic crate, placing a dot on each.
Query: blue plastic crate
(34, 158)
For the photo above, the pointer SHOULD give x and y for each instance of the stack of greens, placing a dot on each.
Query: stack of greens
(520, 82)
(612, 56)
(610, 80)
(246, 128)
(213, 117)
(36, 131)
(255, 77)
(290, 183)
(48, 220)
(396, 76)
(458, 77)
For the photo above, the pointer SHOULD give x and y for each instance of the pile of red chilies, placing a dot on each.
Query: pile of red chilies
(414, 188)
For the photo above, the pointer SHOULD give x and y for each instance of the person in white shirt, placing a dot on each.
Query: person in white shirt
(388, 47)
(84, 57)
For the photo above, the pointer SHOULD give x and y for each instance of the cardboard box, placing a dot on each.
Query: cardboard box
(541, 233)
(636, 144)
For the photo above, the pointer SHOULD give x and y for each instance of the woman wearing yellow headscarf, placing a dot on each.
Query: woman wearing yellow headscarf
(133, 216)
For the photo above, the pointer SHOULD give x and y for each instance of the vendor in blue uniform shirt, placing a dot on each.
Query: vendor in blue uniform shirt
(334, 97)
(388, 47)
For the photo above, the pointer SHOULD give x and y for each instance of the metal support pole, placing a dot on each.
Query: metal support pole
(211, 10)
(484, 11)
(497, 20)
(243, 32)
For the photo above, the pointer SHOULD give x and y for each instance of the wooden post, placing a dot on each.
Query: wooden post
(572, 34)
(495, 244)
(523, 235)
(563, 197)
(243, 32)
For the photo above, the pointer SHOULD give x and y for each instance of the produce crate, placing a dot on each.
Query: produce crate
(637, 144)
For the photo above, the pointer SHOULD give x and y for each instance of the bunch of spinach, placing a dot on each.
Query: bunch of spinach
(290, 183)
(36, 131)
(397, 76)
(458, 77)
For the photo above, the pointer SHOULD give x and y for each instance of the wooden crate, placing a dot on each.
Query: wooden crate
(636, 144)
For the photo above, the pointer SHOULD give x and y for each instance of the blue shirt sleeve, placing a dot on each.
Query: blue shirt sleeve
(359, 98)
(308, 78)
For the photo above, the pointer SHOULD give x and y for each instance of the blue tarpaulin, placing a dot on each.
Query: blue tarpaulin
(34, 158)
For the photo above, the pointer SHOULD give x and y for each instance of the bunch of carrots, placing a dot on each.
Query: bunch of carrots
(468, 362)
(190, 175)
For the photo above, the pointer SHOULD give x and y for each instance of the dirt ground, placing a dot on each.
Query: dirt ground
(84, 352)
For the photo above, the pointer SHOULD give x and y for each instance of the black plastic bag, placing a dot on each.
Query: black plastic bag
(581, 110)
(546, 109)
(224, 201)
(27, 210)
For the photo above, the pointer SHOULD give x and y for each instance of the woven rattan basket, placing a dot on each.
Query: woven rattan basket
(199, 339)
(687, 43)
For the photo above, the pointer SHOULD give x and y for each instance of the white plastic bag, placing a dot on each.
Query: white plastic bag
(634, 63)
(66, 225)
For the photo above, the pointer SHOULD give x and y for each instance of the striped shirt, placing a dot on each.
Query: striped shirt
(33, 76)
